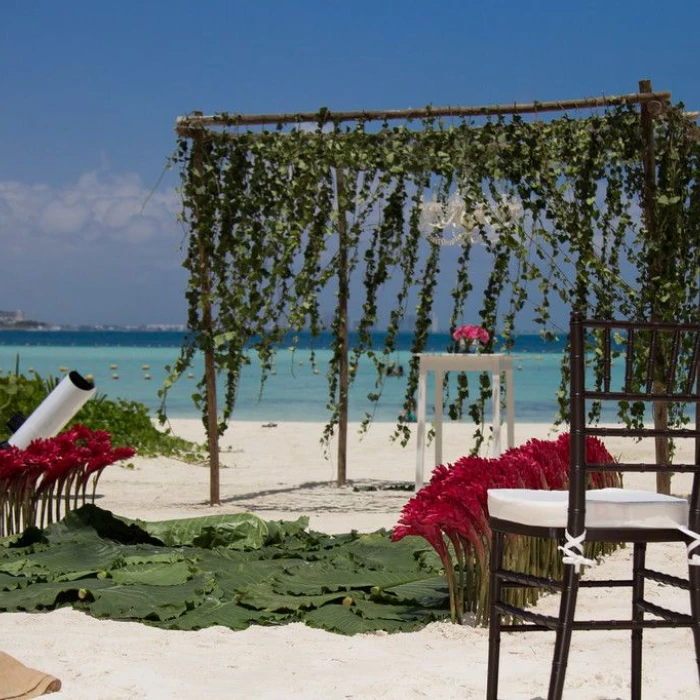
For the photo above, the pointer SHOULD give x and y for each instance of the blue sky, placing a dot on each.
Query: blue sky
(91, 91)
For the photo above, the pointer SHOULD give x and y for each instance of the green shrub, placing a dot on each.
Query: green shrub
(128, 422)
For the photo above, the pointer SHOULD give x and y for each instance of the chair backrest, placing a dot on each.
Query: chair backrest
(642, 363)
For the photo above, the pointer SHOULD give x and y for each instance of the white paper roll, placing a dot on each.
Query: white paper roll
(55, 410)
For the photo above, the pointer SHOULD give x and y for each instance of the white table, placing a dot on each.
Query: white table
(439, 363)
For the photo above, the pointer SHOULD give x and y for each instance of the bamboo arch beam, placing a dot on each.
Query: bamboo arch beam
(185, 125)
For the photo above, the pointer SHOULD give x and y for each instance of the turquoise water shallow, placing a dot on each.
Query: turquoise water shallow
(294, 392)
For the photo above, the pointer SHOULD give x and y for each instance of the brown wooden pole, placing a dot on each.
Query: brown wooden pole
(208, 329)
(184, 124)
(660, 409)
(343, 297)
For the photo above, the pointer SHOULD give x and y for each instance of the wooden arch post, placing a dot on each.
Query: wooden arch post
(343, 330)
(660, 408)
(207, 321)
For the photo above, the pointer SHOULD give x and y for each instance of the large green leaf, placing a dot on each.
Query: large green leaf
(153, 555)
(214, 612)
(89, 519)
(154, 574)
(8, 582)
(240, 530)
(427, 592)
(150, 602)
(239, 576)
(372, 610)
(86, 557)
(50, 594)
(313, 578)
(264, 597)
(342, 619)
(17, 564)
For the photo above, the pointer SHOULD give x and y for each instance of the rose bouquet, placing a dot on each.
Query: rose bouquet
(470, 336)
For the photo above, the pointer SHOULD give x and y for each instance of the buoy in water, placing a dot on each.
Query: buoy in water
(115, 376)
(146, 376)
(63, 369)
(113, 367)
(145, 367)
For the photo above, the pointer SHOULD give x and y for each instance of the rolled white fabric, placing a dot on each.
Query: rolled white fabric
(55, 410)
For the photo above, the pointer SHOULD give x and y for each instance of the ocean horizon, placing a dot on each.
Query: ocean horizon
(130, 364)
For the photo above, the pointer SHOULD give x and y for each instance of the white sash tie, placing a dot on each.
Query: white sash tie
(573, 551)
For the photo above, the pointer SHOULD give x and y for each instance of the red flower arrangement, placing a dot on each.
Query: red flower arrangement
(52, 476)
(451, 513)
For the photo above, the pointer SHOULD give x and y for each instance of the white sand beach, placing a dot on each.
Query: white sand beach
(280, 472)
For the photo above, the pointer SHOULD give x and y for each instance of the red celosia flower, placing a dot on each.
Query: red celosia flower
(453, 507)
(51, 470)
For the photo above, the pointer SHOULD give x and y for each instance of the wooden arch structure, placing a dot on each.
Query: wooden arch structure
(197, 127)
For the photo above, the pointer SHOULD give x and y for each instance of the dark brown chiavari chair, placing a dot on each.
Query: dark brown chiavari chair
(660, 364)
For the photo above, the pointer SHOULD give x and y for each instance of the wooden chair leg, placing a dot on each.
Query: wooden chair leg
(494, 616)
(694, 578)
(567, 609)
(639, 560)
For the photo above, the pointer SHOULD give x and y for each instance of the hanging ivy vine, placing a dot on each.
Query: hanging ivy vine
(556, 206)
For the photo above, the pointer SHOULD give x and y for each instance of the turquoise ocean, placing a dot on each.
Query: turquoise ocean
(131, 365)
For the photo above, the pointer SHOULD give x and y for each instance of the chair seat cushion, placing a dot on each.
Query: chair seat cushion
(609, 508)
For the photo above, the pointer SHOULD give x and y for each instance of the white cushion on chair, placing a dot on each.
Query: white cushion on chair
(604, 508)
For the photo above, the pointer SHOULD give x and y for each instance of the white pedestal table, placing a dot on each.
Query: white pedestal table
(496, 364)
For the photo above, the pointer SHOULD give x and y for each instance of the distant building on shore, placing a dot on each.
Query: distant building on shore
(15, 320)
(10, 318)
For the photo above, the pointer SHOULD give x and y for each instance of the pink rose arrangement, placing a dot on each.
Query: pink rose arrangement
(471, 334)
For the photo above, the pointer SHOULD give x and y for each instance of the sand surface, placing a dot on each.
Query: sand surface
(280, 472)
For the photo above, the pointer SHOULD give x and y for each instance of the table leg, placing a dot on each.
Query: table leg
(510, 408)
(420, 429)
(496, 412)
(438, 417)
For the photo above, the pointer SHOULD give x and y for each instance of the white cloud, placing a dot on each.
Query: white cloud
(117, 213)
(100, 206)
(103, 248)
(140, 228)
(62, 216)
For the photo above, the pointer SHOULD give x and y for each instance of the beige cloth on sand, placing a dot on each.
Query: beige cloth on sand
(18, 682)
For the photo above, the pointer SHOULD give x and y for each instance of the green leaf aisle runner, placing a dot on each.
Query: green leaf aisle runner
(230, 570)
